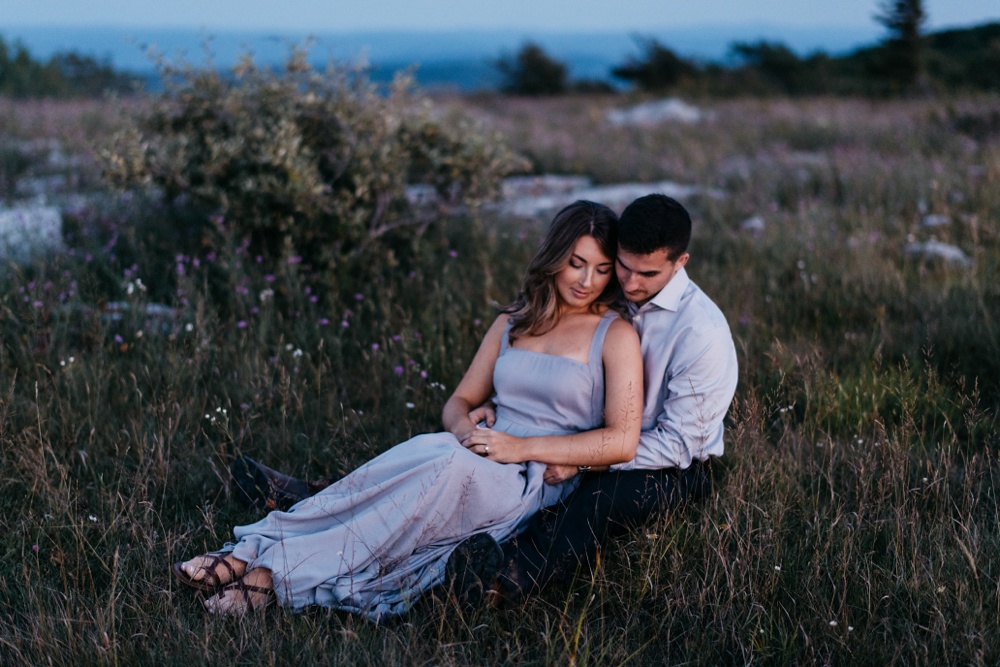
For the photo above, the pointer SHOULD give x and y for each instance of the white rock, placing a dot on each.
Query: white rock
(25, 232)
(616, 197)
(935, 220)
(936, 250)
(654, 113)
(755, 225)
(533, 186)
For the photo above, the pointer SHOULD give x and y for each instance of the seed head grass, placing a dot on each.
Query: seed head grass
(854, 519)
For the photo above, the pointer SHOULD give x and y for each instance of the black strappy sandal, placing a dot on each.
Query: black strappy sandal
(211, 580)
(245, 590)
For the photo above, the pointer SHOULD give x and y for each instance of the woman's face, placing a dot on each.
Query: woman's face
(585, 275)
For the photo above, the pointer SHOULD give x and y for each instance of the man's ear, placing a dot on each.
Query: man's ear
(682, 260)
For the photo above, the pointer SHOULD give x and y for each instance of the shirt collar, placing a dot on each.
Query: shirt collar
(669, 298)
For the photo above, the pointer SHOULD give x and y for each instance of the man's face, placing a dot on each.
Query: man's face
(642, 276)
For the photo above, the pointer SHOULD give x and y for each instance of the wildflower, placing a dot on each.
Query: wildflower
(313, 299)
(119, 339)
(266, 295)
(833, 624)
(652, 536)
(453, 253)
(34, 547)
(244, 406)
(375, 347)
(37, 304)
(269, 278)
(398, 370)
(423, 375)
(294, 259)
(189, 327)
(410, 406)
(93, 519)
(323, 321)
(297, 353)
(777, 568)
(396, 338)
(242, 324)
(344, 324)
(288, 347)
(359, 297)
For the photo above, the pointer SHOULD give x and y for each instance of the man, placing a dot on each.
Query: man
(690, 378)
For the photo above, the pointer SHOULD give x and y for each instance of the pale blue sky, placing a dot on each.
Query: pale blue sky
(550, 15)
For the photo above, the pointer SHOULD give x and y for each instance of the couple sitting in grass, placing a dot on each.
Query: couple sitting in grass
(608, 412)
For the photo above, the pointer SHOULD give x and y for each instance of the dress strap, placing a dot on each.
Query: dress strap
(505, 339)
(596, 354)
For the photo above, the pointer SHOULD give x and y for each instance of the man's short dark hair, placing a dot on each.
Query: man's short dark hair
(654, 222)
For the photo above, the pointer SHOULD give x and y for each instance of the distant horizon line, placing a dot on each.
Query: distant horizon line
(473, 29)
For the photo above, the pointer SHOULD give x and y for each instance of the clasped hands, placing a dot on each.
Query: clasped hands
(503, 447)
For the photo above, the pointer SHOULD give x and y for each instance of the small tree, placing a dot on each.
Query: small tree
(658, 70)
(532, 72)
(902, 59)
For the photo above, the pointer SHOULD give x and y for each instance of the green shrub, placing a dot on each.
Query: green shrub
(304, 164)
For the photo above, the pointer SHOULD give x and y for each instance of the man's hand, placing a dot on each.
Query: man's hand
(555, 474)
(486, 412)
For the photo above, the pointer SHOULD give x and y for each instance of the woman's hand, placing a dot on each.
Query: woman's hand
(554, 474)
(494, 445)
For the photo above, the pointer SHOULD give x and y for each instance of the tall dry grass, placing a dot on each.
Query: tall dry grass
(856, 522)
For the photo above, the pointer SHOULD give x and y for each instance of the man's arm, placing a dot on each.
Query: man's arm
(700, 385)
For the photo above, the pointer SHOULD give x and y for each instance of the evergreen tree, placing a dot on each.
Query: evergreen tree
(902, 61)
(532, 72)
(658, 70)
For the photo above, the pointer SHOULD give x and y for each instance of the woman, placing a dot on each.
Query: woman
(565, 373)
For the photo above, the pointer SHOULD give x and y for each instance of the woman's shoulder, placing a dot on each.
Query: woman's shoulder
(501, 322)
(498, 327)
(621, 332)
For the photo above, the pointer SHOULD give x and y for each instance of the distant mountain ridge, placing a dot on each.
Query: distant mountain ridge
(461, 59)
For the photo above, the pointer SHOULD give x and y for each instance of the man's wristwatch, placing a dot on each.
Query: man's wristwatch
(583, 468)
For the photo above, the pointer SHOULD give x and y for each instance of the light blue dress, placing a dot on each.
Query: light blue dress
(373, 542)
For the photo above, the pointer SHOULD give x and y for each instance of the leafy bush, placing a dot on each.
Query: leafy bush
(304, 164)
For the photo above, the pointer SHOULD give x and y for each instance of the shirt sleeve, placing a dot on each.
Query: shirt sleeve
(700, 382)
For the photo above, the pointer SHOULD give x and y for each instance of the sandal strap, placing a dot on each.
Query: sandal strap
(245, 590)
(211, 570)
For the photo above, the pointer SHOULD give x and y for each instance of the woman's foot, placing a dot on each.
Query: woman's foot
(251, 593)
(209, 571)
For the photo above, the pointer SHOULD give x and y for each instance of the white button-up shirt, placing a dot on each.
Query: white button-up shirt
(690, 374)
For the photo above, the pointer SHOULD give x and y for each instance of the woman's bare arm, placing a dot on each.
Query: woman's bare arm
(477, 383)
(615, 442)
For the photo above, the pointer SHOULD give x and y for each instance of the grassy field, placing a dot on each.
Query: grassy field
(857, 522)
